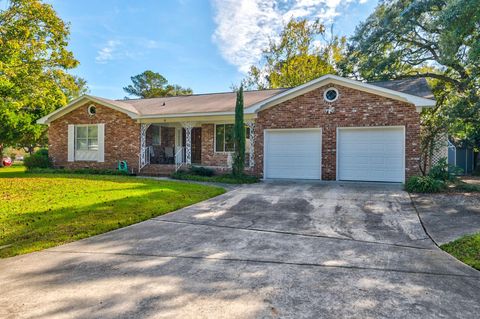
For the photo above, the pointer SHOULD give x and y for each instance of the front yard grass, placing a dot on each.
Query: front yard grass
(466, 249)
(38, 211)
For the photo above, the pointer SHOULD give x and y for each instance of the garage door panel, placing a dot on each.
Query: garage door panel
(293, 154)
(375, 154)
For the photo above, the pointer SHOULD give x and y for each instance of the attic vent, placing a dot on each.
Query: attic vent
(92, 110)
(330, 95)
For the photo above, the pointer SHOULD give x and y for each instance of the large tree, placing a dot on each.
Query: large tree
(34, 61)
(437, 39)
(152, 84)
(300, 54)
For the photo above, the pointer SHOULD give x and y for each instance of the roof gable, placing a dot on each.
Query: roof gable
(115, 105)
(418, 101)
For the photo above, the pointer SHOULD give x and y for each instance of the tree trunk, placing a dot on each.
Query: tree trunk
(477, 163)
(29, 149)
(1, 154)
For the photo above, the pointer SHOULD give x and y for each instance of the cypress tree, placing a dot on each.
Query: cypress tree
(239, 136)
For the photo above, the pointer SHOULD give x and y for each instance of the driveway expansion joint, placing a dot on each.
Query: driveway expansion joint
(249, 228)
(421, 221)
(273, 262)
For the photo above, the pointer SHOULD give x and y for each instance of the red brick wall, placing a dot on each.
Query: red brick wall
(209, 157)
(352, 108)
(122, 137)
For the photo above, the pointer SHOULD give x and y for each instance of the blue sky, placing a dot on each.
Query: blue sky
(205, 45)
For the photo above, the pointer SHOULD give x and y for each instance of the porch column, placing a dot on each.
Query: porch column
(251, 126)
(143, 141)
(188, 126)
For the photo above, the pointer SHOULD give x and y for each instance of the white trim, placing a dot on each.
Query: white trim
(325, 94)
(101, 142)
(370, 127)
(183, 115)
(265, 134)
(71, 143)
(334, 79)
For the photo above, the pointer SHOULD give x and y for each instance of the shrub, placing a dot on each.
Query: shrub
(465, 187)
(201, 171)
(224, 178)
(86, 171)
(443, 171)
(424, 184)
(39, 159)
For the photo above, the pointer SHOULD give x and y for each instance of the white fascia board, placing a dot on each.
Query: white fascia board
(419, 102)
(141, 117)
(77, 103)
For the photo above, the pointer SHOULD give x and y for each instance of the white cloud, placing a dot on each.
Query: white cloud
(107, 53)
(244, 28)
(131, 48)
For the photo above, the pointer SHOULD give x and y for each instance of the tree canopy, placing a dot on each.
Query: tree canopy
(152, 84)
(437, 39)
(301, 54)
(34, 61)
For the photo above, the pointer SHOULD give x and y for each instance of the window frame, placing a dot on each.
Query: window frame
(330, 89)
(247, 138)
(87, 138)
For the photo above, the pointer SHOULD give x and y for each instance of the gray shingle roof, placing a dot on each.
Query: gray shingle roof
(198, 103)
(418, 87)
(225, 102)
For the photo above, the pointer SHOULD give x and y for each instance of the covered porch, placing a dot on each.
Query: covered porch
(167, 147)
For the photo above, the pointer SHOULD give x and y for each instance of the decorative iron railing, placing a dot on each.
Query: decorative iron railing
(179, 158)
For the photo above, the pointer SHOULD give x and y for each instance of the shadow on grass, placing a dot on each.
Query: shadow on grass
(38, 229)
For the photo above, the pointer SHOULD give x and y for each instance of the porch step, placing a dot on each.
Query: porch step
(157, 170)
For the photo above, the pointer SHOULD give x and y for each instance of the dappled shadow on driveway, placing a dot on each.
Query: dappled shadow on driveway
(205, 262)
(70, 285)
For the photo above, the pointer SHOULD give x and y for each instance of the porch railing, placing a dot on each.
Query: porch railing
(179, 158)
(146, 157)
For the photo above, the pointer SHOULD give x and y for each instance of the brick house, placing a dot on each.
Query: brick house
(331, 128)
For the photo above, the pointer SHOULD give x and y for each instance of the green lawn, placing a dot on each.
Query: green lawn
(466, 249)
(44, 210)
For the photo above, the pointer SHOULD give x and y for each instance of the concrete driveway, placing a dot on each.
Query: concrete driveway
(270, 250)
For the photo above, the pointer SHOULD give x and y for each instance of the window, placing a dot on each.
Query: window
(224, 138)
(330, 95)
(157, 135)
(86, 138)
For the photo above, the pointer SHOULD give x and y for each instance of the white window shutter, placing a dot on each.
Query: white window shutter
(101, 142)
(71, 142)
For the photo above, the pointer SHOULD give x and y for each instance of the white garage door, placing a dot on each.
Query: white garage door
(293, 154)
(371, 154)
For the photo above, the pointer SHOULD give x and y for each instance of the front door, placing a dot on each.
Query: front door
(196, 144)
